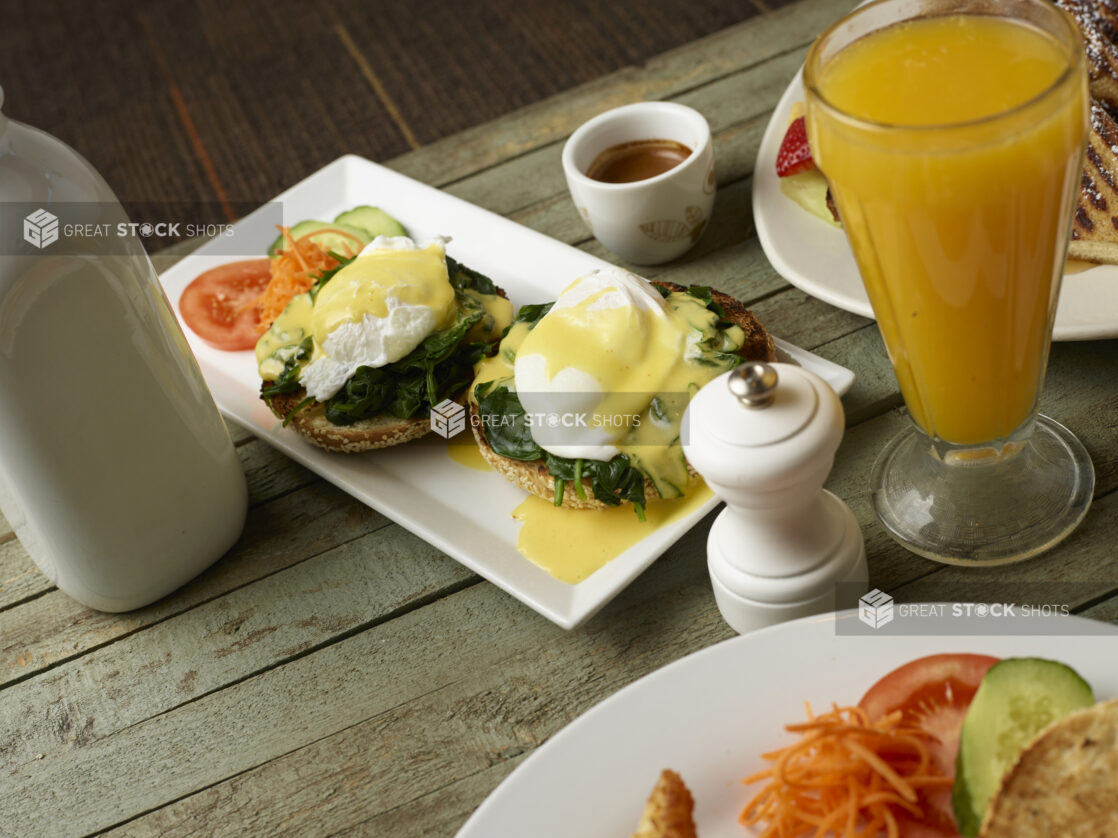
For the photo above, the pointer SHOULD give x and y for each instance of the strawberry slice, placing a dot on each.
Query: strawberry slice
(794, 155)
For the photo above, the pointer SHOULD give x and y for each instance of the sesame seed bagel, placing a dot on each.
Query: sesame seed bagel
(533, 476)
(379, 431)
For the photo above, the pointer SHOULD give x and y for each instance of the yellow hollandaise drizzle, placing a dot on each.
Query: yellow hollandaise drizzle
(467, 454)
(661, 356)
(413, 277)
(571, 544)
(363, 287)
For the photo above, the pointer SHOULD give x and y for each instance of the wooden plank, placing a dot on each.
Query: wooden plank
(437, 813)
(20, 580)
(745, 97)
(47, 721)
(442, 811)
(1080, 393)
(672, 73)
(875, 388)
(733, 269)
(804, 320)
(278, 535)
(1106, 610)
(470, 660)
(238, 432)
(270, 473)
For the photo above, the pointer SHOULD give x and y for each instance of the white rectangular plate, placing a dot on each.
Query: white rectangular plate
(463, 512)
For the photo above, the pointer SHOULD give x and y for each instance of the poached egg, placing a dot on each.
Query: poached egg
(610, 370)
(372, 312)
(592, 364)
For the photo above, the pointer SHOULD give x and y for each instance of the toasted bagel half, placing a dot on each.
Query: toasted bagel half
(379, 431)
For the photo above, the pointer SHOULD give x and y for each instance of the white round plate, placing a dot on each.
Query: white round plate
(816, 257)
(709, 715)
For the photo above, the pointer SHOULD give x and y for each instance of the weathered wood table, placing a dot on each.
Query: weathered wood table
(335, 673)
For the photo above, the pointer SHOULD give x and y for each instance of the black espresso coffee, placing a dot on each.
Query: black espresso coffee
(637, 160)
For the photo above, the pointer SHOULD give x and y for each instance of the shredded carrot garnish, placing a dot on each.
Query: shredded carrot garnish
(295, 270)
(845, 776)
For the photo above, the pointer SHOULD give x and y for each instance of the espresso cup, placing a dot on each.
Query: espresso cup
(648, 221)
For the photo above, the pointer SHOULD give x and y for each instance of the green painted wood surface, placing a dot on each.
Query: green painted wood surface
(333, 673)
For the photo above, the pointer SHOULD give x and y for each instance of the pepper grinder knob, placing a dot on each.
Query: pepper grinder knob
(764, 436)
(754, 384)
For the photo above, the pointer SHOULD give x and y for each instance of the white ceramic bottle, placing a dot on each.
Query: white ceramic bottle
(764, 437)
(117, 472)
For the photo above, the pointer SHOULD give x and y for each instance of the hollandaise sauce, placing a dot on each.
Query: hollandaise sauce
(640, 363)
(571, 544)
(467, 454)
(366, 292)
(372, 313)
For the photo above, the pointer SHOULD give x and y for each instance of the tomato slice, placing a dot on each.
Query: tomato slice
(934, 694)
(218, 305)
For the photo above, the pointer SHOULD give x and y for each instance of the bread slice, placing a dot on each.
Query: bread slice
(1064, 783)
(669, 810)
(1094, 234)
(533, 476)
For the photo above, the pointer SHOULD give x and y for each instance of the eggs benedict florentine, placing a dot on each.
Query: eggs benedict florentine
(358, 361)
(583, 402)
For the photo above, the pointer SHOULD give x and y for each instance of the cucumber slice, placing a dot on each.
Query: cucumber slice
(373, 220)
(331, 241)
(1017, 699)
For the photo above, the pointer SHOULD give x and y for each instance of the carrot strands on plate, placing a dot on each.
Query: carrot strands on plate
(845, 776)
(295, 269)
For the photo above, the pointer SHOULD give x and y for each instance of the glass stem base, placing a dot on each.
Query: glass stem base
(968, 509)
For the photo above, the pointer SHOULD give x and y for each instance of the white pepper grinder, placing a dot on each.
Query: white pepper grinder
(764, 437)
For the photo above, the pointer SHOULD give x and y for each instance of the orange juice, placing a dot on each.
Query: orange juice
(955, 180)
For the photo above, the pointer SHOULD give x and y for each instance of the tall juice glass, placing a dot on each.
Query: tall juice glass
(952, 135)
